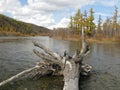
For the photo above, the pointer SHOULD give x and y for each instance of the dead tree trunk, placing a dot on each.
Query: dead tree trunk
(69, 67)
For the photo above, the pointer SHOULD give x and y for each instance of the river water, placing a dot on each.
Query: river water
(17, 55)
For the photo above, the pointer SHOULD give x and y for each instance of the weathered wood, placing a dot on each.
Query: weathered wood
(43, 56)
(71, 76)
(73, 69)
(48, 51)
(18, 75)
(69, 66)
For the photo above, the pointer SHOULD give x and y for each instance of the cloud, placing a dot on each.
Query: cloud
(103, 14)
(53, 5)
(9, 5)
(108, 2)
(41, 12)
(26, 13)
(63, 23)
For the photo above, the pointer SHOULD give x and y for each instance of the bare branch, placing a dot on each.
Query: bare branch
(77, 52)
(43, 56)
(18, 75)
(48, 51)
(47, 57)
(70, 67)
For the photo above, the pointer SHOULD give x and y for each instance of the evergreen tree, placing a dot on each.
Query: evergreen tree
(71, 22)
(115, 21)
(80, 21)
(91, 26)
(99, 26)
(107, 27)
(77, 20)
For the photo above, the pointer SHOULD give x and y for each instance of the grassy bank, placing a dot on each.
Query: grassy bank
(14, 36)
(7, 33)
(97, 39)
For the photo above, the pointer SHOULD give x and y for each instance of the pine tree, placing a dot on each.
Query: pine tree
(76, 20)
(99, 26)
(115, 21)
(86, 22)
(71, 22)
(91, 26)
(80, 21)
(107, 27)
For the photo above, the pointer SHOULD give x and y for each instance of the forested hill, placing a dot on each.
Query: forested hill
(12, 26)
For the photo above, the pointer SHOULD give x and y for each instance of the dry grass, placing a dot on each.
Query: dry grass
(97, 39)
(6, 33)
(68, 37)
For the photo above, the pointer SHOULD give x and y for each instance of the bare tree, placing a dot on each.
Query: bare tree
(68, 66)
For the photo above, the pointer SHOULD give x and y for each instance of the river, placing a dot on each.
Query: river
(17, 55)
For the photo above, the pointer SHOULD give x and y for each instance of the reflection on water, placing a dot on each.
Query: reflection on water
(105, 59)
(44, 83)
(17, 55)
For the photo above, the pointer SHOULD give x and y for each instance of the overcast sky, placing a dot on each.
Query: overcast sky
(54, 13)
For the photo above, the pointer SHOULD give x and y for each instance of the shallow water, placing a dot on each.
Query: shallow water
(17, 55)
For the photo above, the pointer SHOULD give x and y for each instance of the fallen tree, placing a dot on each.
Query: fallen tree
(71, 67)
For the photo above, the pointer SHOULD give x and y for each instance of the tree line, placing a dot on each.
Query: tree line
(110, 27)
(82, 21)
(12, 26)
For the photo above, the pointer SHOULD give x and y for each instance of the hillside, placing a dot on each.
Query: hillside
(12, 26)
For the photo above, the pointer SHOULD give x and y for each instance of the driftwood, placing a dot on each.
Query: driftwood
(70, 67)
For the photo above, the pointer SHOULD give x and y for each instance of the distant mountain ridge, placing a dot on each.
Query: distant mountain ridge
(8, 24)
